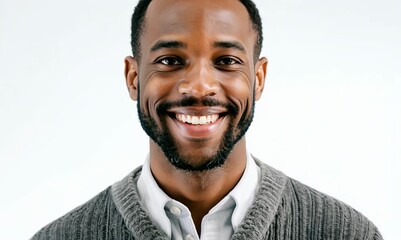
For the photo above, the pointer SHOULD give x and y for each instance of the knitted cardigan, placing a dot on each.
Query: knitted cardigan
(283, 208)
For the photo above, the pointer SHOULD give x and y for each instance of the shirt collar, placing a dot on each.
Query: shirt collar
(154, 199)
(245, 190)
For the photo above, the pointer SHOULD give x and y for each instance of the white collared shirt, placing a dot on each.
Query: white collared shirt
(174, 218)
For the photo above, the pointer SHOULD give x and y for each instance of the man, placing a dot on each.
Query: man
(196, 74)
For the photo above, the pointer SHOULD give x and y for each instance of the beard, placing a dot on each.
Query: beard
(170, 148)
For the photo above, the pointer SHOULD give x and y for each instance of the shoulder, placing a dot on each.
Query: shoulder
(98, 218)
(89, 221)
(77, 222)
(333, 216)
(316, 214)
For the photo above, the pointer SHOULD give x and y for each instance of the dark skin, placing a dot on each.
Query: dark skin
(199, 49)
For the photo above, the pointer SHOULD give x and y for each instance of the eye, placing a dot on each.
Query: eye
(169, 61)
(228, 61)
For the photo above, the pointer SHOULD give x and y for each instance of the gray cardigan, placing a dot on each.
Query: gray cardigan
(283, 209)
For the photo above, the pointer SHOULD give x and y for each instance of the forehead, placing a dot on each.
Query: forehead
(201, 18)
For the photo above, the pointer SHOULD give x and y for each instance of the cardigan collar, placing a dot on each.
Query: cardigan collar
(257, 219)
(154, 199)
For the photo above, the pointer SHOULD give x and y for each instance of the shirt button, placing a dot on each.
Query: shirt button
(175, 210)
(189, 237)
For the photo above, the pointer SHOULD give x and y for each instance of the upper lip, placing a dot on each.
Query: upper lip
(198, 110)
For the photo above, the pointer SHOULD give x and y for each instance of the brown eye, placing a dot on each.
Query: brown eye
(227, 61)
(169, 61)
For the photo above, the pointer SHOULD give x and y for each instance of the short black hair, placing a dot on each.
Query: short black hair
(138, 20)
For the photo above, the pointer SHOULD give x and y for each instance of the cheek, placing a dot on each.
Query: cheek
(153, 90)
(238, 88)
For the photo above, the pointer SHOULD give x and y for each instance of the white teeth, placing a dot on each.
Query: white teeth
(197, 120)
(202, 120)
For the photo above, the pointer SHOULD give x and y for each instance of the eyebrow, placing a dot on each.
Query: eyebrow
(179, 44)
(167, 44)
(229, 44)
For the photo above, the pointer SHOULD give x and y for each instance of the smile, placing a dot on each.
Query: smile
(198, 123)
(197, 120)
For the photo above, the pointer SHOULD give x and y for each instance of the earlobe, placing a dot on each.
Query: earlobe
(131, 77)
(260, 72)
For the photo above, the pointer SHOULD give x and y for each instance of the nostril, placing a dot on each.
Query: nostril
(211, 94)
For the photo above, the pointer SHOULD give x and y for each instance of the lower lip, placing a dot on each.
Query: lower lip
(198, 132)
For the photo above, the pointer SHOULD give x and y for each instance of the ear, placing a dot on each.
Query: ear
(131, 77)
(260, 72)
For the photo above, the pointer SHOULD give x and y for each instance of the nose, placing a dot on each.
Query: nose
(199, 82)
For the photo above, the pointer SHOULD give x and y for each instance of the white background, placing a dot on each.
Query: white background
(330, 115)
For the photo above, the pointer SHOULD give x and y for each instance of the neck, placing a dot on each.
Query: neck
(199, 191)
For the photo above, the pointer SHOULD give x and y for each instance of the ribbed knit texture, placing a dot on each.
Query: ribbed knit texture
(283, 209)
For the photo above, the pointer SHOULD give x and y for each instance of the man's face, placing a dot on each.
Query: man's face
(197, 80)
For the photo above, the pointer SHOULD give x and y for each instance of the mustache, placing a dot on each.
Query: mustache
(164, 107)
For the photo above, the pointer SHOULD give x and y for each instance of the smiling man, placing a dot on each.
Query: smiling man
(196, 74)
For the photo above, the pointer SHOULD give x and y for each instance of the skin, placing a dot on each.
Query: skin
(200, 68)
